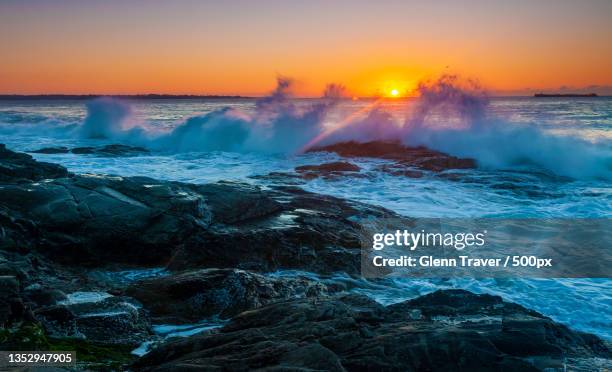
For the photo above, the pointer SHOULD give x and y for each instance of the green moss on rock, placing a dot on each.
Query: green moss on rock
(31, 336)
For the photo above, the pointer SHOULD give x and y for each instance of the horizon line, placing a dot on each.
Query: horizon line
(10, 96)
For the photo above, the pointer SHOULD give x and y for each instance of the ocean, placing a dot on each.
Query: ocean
(537, 158)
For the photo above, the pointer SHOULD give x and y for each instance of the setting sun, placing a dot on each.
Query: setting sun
(394, 92)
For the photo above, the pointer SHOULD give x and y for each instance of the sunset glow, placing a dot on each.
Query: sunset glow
(239, 47)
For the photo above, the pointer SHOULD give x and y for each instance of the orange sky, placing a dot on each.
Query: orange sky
(239, 47)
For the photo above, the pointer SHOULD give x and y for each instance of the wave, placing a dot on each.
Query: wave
(278, 125)
(453, 119)
(449, 115)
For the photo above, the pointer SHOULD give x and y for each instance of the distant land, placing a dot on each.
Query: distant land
(123, 96)
(544, 95)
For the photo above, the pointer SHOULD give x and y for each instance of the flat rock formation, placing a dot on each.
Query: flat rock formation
(93, 220)
(328, 170)
(17, 168)
(416, 157)
(446, 330)
(114, 150)
(194, 295)
(243, 254)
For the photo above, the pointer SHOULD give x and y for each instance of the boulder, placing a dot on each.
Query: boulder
(18, 167)
(354, 333)
(317, 233)
(9, 299)
(328, 170)
(111, 320)
(95, 220)
(195, 295)
(417, 157)
(52, 150)
(235, 203)
(114, 150)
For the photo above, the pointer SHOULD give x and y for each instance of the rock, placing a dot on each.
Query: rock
(17, 167)
(9, 299)
(397, 169)
(196, 295)
(328, 170)
(355, 333)
(111, 150)
(52, 150)
(114, 150)
(111, 320)
(93, 220)
(44, 296)
(417, 157)
(233, 203)
(316, 233)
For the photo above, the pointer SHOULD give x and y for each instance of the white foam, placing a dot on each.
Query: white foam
(84, 297)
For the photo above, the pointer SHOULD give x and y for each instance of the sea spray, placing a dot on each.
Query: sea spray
(105, 118)
(278, 125)
(450, 115)
(453, 119)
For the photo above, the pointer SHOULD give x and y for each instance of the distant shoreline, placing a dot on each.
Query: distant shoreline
(565, 95)
(26, 97)
(83, 97)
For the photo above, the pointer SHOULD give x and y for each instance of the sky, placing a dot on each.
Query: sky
(240, 47)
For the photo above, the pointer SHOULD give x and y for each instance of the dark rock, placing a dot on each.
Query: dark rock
(233, 203)
(9, 296)
(52, 150)
(94, 220)
(111, 150)
(417, 157)
(17, 167)
(317, 233)
(397, 169)
(114, 150)
(195, 295)
(112, 320)
(328, 170)
(98, 220)
(355, 333)
(44, 296)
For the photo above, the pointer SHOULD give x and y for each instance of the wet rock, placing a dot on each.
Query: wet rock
(18, 167)
(9, 298)
(233, 203)
(92, 220)
(52, 150)
(40, 296)
(417, 157)
(400, 170)
(114, 150)
(355, 333)
(314, 232)
(195, 295)
(112, 320)
(280, 179)
(95, 220)
(328, 170)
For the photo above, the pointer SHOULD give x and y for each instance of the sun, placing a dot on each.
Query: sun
(394, 92)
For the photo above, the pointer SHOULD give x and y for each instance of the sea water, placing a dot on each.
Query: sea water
(538, 158)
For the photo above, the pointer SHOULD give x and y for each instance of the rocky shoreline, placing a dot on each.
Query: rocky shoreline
(93, 262)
